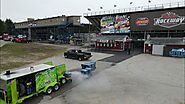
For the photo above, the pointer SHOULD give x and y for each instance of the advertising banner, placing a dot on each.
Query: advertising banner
(122, 24)
(107, 24)
(44, 78)
(158, 20)
(174, 52)
(115, 24)
(143, 21)
(169, 20)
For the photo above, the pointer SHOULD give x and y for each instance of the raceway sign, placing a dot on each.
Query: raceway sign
(169, 20)
(177, 52)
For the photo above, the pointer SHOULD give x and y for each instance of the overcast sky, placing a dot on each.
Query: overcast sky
(20, 10)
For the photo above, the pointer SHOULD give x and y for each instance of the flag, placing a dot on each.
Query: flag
(88, 9)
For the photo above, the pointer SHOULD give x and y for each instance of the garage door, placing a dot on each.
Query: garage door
(158, 49)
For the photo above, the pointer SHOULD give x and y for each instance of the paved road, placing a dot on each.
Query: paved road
(78, 78)
(120, 56)
(142, 79)
(2, 42)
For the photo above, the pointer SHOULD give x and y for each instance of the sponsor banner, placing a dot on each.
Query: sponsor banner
(158, 20)
(174, 52)
(177, 52)
(115, 24)
(142, 21)
(107, 24)
(122, 24)
(169, 20)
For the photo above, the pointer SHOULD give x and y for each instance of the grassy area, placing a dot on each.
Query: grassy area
(14, 55)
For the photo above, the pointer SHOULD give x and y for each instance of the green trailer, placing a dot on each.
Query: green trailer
(18, 85)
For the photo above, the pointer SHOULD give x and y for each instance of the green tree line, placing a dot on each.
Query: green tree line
(7, 26)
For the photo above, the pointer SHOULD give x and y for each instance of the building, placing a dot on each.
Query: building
(174, 47)
(59, 28)
(116, 43)
(165, 20)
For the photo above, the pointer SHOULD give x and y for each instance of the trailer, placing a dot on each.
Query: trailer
(18, 85)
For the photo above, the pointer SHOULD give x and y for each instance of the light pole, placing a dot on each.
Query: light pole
(29, 31)
(88, 37)
(114, 7)
(130, 5)
(149, 1)
(89, 21)
(30, 25)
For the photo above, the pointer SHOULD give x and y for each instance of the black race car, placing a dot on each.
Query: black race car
(77, 54)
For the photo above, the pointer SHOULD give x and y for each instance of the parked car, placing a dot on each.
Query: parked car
(1, 37)
(6, 37)
(77, 54)
(21, 39)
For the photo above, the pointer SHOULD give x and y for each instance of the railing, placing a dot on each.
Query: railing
(139, 8)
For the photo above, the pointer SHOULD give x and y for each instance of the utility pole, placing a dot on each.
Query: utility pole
(29, 32)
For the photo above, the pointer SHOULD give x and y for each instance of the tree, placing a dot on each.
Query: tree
(10, 28)
(2, 27)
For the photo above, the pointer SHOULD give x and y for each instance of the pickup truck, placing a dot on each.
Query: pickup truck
(77, 54)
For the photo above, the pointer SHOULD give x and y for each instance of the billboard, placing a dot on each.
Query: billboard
(169, 20)
(107, 24)
(115, 24)
(158, 20)
(122, 24)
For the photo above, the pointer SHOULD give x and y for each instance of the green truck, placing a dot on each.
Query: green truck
(18, 85)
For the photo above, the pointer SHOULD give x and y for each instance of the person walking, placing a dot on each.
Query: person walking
(129, 50)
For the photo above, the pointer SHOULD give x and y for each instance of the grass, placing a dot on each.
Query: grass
(14, 55)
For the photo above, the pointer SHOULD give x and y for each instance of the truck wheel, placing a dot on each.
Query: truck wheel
(80, 59)
(63, 81)
(56, 87)
(69, 81)
(49, 90)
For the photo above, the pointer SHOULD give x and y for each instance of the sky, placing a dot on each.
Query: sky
(20, 10)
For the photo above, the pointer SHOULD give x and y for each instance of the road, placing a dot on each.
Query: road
(2, 42)
(141, 79)
(78, 78)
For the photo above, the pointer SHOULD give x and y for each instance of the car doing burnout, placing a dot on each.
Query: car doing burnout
(77, 54)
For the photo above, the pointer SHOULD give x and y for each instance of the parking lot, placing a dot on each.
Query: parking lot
(141, 79)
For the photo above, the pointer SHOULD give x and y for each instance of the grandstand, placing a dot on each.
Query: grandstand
(163, 20)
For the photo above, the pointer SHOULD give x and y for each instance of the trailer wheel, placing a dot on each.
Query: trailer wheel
(56, 87)
(65, 56)
(63, 81)
(49, 90)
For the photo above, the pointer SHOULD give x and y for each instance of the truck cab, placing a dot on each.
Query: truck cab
(87, 68)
